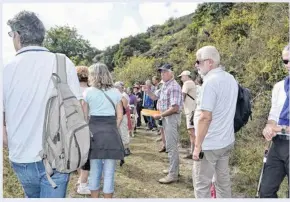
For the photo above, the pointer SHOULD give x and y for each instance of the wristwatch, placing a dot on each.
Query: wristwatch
(283, 130)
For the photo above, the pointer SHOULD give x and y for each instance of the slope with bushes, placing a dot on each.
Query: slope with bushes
(250, 38)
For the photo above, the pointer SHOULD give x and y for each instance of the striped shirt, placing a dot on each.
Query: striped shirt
(169, 95)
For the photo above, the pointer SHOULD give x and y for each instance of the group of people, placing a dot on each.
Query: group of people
(113, 112)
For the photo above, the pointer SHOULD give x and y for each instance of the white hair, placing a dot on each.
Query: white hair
(208, 52)
(148, 82)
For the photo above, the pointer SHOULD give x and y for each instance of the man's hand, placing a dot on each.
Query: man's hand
(156, 117)
(269, 132)
(195, 155)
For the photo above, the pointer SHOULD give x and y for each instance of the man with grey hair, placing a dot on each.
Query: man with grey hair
(189, 97)
(27, 86)
(214, 125)
(170, 106)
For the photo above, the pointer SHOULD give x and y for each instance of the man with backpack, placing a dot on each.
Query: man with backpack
(214, 125)
(189, 96)
(32, 83)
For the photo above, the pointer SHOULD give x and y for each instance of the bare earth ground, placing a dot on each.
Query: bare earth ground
(138, 177)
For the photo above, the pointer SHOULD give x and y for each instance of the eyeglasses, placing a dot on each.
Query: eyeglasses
(285, 62)
(199, 61)
(12, 33)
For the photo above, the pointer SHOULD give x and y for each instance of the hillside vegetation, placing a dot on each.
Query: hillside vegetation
(250, 38)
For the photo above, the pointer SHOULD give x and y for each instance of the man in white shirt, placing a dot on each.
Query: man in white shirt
(277, 130)
(27, 86)
(214, 125)
(189, 98)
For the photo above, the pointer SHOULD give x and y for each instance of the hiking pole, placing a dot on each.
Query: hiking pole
(262, 170)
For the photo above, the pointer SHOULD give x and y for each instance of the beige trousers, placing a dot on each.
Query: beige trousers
(215, 163)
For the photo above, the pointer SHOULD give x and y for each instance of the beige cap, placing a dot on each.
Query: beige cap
(185, 73)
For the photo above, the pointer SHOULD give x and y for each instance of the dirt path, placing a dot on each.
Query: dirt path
(138, 177)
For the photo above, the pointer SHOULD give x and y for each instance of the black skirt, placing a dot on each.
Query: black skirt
(106, 142)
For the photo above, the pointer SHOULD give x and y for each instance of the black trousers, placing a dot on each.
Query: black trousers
(139, 109)
(276, 168)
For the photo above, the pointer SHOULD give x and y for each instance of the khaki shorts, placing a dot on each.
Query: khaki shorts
(188, 125)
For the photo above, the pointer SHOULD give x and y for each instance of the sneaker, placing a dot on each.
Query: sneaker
(154, 129)
(127, 152)
(83, 190)
(166, 172)
(167, 180)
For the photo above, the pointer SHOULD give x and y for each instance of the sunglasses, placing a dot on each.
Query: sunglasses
(285, 62)
(199, 61)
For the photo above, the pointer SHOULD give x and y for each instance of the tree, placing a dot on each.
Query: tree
(128, 46)
(66, 40)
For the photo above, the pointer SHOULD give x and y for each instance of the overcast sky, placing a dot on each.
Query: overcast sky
(103, 24)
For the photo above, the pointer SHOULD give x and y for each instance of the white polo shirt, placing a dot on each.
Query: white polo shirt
(218, 95)
(26, 89)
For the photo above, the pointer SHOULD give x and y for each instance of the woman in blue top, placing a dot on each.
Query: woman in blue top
(106, 113)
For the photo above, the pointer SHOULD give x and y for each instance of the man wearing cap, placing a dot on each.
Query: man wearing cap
(170, 106)
(189, 96)
(138, 94)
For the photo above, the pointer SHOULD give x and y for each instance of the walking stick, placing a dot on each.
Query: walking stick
(262, 170)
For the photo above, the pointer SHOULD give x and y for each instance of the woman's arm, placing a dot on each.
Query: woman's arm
(119, 111)
(85, 108)
(125, 102)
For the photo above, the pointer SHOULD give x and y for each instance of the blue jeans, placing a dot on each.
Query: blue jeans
(34, 181)
(99, 166)
(151, 121)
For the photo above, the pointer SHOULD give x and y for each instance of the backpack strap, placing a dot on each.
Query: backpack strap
(190, 96)
(61, 67)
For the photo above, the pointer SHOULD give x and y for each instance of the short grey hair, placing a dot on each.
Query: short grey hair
(209, 52)
(100, 76)
(29, 27)
(148, 82)
(119, 85)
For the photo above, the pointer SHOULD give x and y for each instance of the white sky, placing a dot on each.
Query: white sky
(103, 24)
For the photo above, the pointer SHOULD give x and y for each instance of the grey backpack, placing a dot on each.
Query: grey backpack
(66, 136)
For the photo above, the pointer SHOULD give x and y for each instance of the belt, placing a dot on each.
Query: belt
(282, 137)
